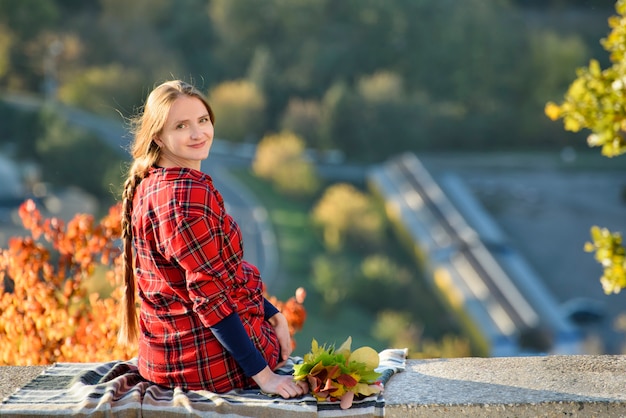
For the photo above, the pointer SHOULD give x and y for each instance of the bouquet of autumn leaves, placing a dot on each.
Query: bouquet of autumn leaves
(339, 374)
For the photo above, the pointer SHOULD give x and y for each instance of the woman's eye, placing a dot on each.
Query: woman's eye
(204, 120)
(180, 126)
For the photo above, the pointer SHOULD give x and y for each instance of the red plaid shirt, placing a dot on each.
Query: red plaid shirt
(191, 275)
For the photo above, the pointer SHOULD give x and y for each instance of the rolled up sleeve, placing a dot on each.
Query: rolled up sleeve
(201, 245)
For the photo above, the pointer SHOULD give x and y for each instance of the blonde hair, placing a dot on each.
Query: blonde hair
(145, 127)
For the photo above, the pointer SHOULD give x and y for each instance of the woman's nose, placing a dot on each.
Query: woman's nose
(195, 131)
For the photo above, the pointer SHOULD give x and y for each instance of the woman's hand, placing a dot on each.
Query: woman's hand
(279, 322)
(285, 386)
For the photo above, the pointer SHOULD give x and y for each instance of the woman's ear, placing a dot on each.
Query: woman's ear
(157, 141)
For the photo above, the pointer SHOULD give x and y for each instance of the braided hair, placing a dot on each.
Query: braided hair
(145, 127)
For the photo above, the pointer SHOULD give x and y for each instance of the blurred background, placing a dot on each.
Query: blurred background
(346, 85)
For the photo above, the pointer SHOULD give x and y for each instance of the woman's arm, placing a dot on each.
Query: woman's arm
(232, 335)
(234, 338)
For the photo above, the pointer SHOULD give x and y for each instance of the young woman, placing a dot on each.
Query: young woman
(203, 321)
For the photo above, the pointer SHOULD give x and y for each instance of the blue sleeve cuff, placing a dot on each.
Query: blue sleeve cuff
(270, 310)
(234, 338)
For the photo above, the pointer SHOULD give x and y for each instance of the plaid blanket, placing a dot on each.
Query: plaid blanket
(115, 389)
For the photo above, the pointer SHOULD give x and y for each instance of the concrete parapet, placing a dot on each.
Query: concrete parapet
(547, 386)
(539, 386)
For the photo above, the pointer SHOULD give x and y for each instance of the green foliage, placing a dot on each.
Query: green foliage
(26, 18)
(379, 279)
(6, 42)
(185, 28)
(303, 118)
(332, 278)
(397, 328)
(553, 56)
(466, 75)
(339, 118)
(386, 112)
(25, 28)
(103, 90)
(72, 156)
(19, 130)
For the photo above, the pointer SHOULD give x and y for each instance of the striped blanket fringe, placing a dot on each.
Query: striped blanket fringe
(115, 389)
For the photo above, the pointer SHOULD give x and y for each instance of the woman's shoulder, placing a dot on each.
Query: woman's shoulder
(187, 187)
(180, 175)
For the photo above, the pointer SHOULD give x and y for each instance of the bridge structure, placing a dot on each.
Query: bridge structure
(499, 300)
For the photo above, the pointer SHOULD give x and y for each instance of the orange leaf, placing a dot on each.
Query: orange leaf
(347, 380)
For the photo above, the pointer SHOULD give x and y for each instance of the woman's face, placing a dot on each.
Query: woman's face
(187, 135)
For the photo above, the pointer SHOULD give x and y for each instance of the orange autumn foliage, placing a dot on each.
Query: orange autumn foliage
(46, 313)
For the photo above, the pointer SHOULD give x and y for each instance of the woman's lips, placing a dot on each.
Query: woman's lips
(199, 145)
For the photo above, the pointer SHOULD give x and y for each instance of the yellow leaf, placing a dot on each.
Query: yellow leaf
(552, 110)
(365, 389)
(341, 389)
(367, 356)
(317, 369)
(594, 68)
(345, 347)
(572, 125)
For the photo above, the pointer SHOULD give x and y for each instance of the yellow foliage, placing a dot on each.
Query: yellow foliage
(610, 253)
(280, 159)
(345, 212)
(275, 150)
(381, 87)
(595, 99)
(552, 110)
(239, 108)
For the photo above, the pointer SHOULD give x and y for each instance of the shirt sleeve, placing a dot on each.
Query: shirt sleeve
(205, 245)
(233, 337)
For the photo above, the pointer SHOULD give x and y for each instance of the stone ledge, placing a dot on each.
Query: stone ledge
(573, 386)
(550, 386)
(14, 377)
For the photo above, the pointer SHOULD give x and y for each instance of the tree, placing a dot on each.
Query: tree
(74, 156)
(280, 159)
(45, 311)
(303, 117)
(6, 41)
(347, 215)
(239, 108)
(596, 101)
(103, 90)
